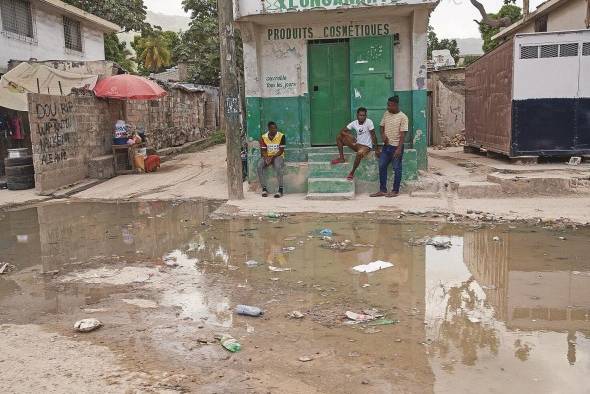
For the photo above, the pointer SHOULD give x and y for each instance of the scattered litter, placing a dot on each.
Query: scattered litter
(372, 330)
(384, 322)
(373, 267)
(274, 279)
(305, 359)
(171, 263)
(439, 245)
(326, 232)
(575, 161)
(247, 310)
(273, 215)
(562, 238)
(358, 317)
(277, 269)
(232, 267)
(474, 319)
(496, 239)
(252, 263)
(489, 287)
(289, 249)
(354, 354)
(296, 315)
(341, 246)
(87, 325)
(373, 312)
(6, 268)
(366, 285)
(230, 343)
(249, 329)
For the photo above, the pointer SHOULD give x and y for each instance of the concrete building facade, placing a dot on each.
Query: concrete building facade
(50, 30)
(308, 66)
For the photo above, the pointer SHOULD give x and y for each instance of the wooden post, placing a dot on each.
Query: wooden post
(230, 99)
(525, 9)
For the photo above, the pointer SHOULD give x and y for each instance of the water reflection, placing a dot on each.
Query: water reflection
(514, 307)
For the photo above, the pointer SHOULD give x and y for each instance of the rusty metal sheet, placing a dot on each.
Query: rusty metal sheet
(488, 100)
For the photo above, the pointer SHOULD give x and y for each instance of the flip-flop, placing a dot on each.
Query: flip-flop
(338, 161)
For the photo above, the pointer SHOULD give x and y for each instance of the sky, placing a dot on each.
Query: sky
(451, 19)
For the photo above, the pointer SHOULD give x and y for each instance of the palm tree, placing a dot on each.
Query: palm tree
(155, 54)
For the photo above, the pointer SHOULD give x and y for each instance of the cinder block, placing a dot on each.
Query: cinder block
(101, 167)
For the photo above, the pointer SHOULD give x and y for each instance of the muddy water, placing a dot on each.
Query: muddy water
(509, 314)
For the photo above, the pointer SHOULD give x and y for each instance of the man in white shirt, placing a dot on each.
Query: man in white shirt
(362, 143)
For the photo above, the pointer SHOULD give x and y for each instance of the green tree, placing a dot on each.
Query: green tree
(118, 52)
(129, 14)
(199, 45)
(510, 11)
(153, 52)
(435, 44)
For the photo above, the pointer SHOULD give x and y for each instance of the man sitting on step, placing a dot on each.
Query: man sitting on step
(272, 151)
(362, 143)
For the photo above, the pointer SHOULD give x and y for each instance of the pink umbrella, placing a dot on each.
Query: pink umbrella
(128, 87)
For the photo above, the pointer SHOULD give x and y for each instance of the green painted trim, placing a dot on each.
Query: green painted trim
(290, 113)
(419, 127)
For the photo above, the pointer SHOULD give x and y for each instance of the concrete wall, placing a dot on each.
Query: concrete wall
(67, 132)
(448, 103)
(48, 42)
(570, 16)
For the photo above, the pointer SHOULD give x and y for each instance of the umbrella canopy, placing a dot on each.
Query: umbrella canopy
(128, 87)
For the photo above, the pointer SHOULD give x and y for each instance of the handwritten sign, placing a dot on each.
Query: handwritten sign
(55, 130)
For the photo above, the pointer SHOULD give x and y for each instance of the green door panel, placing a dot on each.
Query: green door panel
(328, 90)
(371, 79)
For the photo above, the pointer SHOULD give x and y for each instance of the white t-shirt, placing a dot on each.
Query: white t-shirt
(363, 132)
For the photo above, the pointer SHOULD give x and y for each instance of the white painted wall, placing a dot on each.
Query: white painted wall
(570, 16)
(244, 8)
(49, 43)
(556, 77)
(268, 61)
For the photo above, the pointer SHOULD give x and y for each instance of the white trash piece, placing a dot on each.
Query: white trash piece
(277, 269)
(87, 325)
(575, 161)
(372, 267)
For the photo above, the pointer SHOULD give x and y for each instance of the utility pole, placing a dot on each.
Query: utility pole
(230, 95)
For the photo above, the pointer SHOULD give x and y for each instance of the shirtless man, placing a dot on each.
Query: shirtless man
(362, 143)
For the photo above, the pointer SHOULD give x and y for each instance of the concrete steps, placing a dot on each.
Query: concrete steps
(329, 156)
(330, 196)
(329, 185)
(327, 170)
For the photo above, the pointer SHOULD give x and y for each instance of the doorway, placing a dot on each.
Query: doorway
(329, 87)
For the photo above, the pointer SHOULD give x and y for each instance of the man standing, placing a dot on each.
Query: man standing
(361, 144)
(394, 127)
(272, 151)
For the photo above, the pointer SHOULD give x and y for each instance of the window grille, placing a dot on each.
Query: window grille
(529, 52)
(586, 49)
(550, 50)
(17, 18)
(566, 50)
(72, 34)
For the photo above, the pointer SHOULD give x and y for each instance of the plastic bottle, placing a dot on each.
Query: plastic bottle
(230, 343)
(249, 310)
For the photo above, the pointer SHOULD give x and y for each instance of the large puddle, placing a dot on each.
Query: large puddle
(505, 308)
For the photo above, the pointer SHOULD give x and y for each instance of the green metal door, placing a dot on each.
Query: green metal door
(329, 90)
(371, 80)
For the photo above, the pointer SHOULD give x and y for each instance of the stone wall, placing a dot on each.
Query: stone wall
(67, 132)
(448, 103)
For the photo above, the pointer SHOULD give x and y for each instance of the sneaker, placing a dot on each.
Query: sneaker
(279, 194)
(264, 192)
(378, 194)
(338, 161)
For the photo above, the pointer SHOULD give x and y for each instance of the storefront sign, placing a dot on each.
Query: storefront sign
(301, 5)
(331, 31)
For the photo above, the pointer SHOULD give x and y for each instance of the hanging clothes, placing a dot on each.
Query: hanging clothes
(16, 126)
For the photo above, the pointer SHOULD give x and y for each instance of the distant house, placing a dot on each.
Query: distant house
(50, 30)
(551, 16)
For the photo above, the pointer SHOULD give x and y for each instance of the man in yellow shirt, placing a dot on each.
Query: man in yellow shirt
(394, 127)
(272, 152)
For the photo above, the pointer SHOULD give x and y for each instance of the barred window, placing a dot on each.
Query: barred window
(586, 49)
(73, 34)
(551, 50)
(17, 17)
(568, 50)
